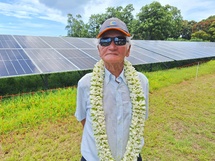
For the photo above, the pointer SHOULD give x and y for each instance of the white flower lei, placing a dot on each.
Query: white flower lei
(133, 147)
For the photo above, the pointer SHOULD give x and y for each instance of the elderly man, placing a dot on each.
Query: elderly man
(112, 101)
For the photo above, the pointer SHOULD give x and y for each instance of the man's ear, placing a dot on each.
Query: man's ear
(128, 51)
(98, 49)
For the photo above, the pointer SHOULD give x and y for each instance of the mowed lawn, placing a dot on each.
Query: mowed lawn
(181, 127)
(181, 123)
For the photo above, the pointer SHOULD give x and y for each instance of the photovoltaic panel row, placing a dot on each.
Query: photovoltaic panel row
(92, 52)
(51, 42)
(79, 58)
(57, 42)
(31, 42)
(178, 50)
(135, 61)
(50, 61)
(192, 50)
(24, 55)
(148, 56)
(92, 41)
(8, 42)
(81, 42)
(60, 60)
(14, 62)
(159, 49)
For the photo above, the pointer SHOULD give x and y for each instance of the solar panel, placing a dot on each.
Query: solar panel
(8, 42)
(79, 58)
(31, 42)
(81, 43)
(93, 52)
(92, 41)
(57, 42)
(27, 55)
(136, 61)
(50, 61)
(178, 50)
(189, 50)
(148, 56)
(14, 62)
(158, 49)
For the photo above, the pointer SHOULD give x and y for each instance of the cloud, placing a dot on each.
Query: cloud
(193, 9)
(14, 10)
(45, 16)
(57, 10)
(31, 9)
(190, 10)
(65, 6)
(99, 7)
(85, 8)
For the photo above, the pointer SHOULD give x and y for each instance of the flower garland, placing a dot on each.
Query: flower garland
(133, 147)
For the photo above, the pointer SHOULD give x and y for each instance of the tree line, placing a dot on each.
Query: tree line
(153, 22)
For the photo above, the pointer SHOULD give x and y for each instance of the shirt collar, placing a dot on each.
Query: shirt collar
(108, 76)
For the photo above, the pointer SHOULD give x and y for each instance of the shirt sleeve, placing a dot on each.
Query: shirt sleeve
(80, 113)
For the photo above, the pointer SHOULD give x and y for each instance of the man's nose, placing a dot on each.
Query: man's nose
(112, 45)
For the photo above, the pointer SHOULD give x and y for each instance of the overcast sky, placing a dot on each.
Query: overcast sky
(49, 17)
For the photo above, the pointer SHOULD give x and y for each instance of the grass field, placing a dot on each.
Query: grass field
(181, 124)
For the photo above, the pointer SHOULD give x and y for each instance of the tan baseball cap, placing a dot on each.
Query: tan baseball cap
(113, 24)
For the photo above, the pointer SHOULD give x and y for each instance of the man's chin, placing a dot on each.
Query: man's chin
(112, 61)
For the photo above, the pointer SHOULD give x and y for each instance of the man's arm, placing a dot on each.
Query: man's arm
(83, 122)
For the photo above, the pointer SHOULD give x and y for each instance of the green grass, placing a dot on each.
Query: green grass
(165, 78)
(180, 125)
(181, 122)
(30, 110)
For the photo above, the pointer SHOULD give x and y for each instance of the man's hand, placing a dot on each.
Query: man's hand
(83, 122)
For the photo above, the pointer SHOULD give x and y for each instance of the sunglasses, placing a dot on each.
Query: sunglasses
(119, 41)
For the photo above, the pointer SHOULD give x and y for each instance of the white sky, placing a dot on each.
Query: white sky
(49, 17)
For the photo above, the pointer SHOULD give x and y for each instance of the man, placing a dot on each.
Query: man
(112, 101)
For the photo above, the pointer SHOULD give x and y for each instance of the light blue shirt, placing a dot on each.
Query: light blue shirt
(117, 108)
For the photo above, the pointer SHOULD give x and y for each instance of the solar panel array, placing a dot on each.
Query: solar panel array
(29, 55)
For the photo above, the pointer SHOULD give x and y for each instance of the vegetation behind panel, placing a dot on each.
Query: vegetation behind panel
(152, 22)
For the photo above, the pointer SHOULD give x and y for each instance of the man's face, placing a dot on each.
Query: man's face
(112, 53)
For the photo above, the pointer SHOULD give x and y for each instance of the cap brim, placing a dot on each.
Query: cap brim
(118, 29)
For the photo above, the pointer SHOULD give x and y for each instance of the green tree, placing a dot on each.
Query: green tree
(94, 23)
(76, 27)
(187, 29)
(159, 22)
(200, 35)
(153, 22)
(150, 17)
(211, 31)
(135, 29)
(206, 25)
(176, 21)
(125, 14)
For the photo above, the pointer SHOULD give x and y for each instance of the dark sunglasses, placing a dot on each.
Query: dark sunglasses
(119, 41)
